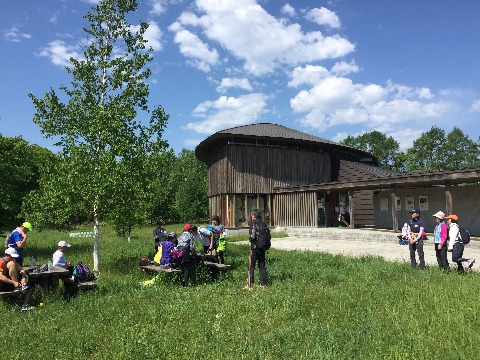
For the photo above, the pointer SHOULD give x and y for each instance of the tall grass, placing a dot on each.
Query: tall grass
(316, 306)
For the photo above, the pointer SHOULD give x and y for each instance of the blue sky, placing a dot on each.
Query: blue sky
(328, 68)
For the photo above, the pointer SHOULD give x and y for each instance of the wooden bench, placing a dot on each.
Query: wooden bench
(7, 294)
(86, 285)
(159, 268)
(218, 266)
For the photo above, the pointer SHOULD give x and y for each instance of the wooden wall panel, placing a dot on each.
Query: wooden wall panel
(240, 169)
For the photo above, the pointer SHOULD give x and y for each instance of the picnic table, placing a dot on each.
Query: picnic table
(160, 268)
(210, 261)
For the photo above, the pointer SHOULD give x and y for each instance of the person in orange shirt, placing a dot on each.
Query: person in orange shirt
(13, 277)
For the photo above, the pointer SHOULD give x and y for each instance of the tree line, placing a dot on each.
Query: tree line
(40, 186)
(433, 151)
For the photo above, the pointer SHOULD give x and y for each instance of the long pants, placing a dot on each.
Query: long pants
(257, 255)
(457, 256)
(188, 267)
(220, 257)
(441, 255)
(418, 247)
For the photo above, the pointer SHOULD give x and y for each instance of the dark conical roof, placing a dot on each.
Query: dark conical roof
(267, 131)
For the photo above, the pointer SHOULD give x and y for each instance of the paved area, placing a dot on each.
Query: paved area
(389, 251)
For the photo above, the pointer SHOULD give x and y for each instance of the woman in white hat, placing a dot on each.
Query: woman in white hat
(440, 235)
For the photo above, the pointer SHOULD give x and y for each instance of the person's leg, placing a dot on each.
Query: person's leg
(421, 255)
(221, 257)
(444, 258)
(457, 256)
(438, 255)
(13, 272)
(412, 248)
(28, 295)
(261, 268)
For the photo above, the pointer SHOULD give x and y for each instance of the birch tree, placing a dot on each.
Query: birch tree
(96, 119)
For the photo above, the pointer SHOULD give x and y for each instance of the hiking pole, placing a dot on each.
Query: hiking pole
(249, 267)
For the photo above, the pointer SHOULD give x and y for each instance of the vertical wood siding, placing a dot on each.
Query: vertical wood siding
(295, 209)
(240, 169)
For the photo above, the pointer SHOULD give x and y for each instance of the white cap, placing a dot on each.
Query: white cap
(439, 215)
(63, 244)
(12, 252)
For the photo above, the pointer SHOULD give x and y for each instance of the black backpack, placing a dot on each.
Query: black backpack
(464, 235)
(263, 236)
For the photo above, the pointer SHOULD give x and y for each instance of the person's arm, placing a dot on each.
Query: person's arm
(453, 236)
(420, 234)
(443, 235)
(210, 247)
(5, 279)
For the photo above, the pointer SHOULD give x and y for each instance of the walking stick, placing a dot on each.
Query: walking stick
(249, 267)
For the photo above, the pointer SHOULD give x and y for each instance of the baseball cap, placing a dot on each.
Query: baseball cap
(12, 252)
(28, 226)
(187, 227)
(63, 244)
(439, 215)
(173, 234)
(452, 216)
(414, 211)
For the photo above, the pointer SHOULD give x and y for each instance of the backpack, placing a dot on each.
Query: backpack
(216, 234)
(82, 273)
(263, 236)
(222, 243)
(464, 235)
(176, 253)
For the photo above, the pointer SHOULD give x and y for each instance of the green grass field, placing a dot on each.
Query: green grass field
(317, 306)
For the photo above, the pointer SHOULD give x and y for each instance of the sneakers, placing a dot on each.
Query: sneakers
(27, 308)
(470, 263)
(21, 287)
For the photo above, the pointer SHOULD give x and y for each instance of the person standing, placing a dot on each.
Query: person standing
(186, 243)
(159, 235)
(455, 245)
(18, 240)
(257, 253)
(415, 239)
(343, 216)
(440, 235)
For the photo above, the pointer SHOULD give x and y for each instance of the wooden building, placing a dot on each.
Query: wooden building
(270, 167)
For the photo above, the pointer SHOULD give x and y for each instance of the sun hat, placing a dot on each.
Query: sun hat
(28, 226)
(452, 216)
(440, 215)
(63, 244)
(12, 252)
(187, 227)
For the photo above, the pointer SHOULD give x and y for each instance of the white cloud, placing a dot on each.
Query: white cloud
(323, 16)
(15, 35)
(405, 137)
(60, 53)
(334, 101)
(289, 10)
(308, 75)
(153, 35)
(227, 83)
(197, 52)
(475, 106)
(226, 112)
(250, 34)
(343, 68)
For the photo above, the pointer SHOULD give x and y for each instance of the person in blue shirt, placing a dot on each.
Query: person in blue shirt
(18, 240)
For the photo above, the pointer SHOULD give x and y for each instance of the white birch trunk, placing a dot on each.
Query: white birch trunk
(96, 256)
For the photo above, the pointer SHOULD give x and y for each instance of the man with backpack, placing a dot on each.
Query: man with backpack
(457, 243)
(259, 244)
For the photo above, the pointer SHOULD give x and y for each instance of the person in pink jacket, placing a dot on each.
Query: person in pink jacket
(440, 236)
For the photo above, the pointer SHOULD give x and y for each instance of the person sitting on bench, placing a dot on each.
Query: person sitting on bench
(13, 277)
